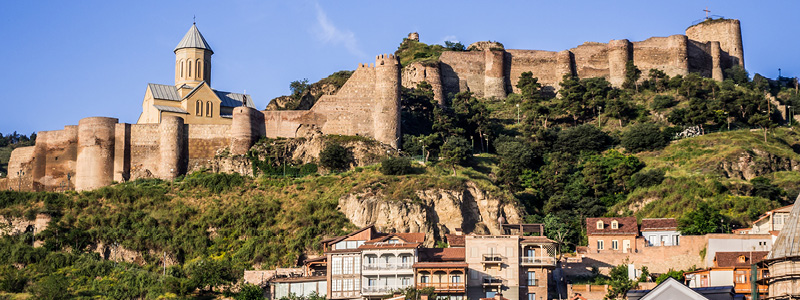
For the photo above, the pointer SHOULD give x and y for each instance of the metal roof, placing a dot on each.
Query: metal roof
(171, 109)
(787, 244)
(164, 92)
(234, 99)
(193, 39)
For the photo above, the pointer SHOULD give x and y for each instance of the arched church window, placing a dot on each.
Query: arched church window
(189, 63)
(209, 110)
(199, 70)
(181, 69)
(198, 108)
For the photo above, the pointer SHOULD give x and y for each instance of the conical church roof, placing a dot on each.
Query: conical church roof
(193, 39)
(788, 242)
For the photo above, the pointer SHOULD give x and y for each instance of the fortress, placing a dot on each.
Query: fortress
(184, 125)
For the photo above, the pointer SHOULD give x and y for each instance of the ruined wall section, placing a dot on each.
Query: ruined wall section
(21, 162)
(60, 152)
(203, 142)
(463, 71)
(547, 66)
(668, 54)
(729, 34)
(417, 72)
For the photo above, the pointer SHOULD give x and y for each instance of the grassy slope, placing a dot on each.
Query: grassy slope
(692, 170)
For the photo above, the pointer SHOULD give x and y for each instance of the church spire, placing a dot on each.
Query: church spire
(193, 39)
(192, 59)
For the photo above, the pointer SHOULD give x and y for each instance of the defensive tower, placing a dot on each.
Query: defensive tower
(619, 53)
(386, 116)
(729, 34)
(193, 59)
(494, 83)
(95, 161)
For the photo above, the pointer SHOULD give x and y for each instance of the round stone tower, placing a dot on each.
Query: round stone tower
(243, 135)
(619, 53)
(170, 147)
(784, 259)
(386, 116)
(716, 57)
(494, 84)
(95, 162)
(727, 32)
(193, 59)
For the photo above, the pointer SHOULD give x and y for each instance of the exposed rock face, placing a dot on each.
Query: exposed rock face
(485, 45)
(13, 226)
(306, 100)
(754, 163)
(439, 212)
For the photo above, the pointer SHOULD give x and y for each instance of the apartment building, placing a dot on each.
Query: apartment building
(344, 262)
(616, 235)
(387, 263)
(443, 269)
(732, 269)
(660, 232)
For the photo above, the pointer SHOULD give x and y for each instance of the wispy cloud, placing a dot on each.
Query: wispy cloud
(328, 33)
(450, 38)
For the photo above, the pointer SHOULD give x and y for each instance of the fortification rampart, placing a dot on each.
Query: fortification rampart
(482, 72)
(417, 72)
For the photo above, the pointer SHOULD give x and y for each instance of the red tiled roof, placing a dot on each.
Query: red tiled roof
(300, 279)
(455, 240)
(442, 254)
(536, 239)
(731, 259)
(388, 246)
(411, 237)
(659, 224)
(627, 225)
(428, 264)
(342, 237)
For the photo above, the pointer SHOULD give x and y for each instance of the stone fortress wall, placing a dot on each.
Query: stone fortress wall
(100, 150)
(707, 48)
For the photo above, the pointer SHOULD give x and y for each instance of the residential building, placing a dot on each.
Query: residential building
(784, 260)
(344, 262)
(387, 263)
(672, 289)
(616, 235)
(537, 262)
(770, 221)
(732, 269)
(660, 232)
(304, 286)
(445, 270)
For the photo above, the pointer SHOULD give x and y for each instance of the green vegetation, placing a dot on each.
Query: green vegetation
(335, 157)
(396, 166)
(304, 95)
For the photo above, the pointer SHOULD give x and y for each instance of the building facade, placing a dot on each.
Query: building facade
(615, 235)
(387, 264)
(660, 232)
(732, 269)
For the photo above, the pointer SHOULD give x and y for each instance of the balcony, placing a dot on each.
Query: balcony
(544, 261)
(492, 259)
(387, 267)
(489, 281)
(443, 286)
(381, 289)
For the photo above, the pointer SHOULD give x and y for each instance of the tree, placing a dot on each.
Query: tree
(208, 272)
(704, 219)
(658, 80)
(52, 287)
(646, 178)
(454, 46)
(643, 137)
(763, 121)
(335, 157)
(662, 102)
(514, 157)
(529, 87)
(632, 75)
(620, 109)
(455, 151)
(737, 74)
(298, 87)
(571, 96)
(395, 166)
(619, 283)
(585, 137)
(763, 187)
(250, 292)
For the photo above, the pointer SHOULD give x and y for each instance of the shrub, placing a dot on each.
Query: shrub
(215, 182)
(662, 102)
(583, 138)
(335, 157)
(647, 178)
(250, 292)
(643, 137)
(395, 166)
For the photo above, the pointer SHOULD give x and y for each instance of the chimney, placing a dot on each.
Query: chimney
(498, 296)
(459, 231)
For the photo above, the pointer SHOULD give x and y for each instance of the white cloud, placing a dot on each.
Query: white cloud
(450, 38)
(328, 33)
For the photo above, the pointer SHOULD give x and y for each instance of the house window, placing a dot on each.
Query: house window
(532, 296)
(741, 258)
(615, 245)
(600, 245)
(614, 224)
(405, 281)
(337, 266)
(198, 108)
(424, 279)
(208, 109)
(531, 278)
(337, 285)
(741, 276)
(600, 225)
(347, 285)
(347, 265)
(652, 240)
(455, 279)
(372, 282)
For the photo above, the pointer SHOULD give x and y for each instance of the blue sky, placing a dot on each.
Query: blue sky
(66, 60)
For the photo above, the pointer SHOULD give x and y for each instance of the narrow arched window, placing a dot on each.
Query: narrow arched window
(208, 70)
(209, 111)
(189, 63)
(199, 70)
(198, 108)
(181, 69)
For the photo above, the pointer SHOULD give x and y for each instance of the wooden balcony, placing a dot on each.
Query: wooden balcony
(489, 281)
(444, 287)
(488, 259)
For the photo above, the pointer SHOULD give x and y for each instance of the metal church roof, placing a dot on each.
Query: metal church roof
(170, 109)
(164, 92)
(787, 244)
(234, 99)
(193, 39)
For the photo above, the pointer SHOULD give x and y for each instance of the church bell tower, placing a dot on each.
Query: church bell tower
(193, 59)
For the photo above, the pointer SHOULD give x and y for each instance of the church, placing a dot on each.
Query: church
(191, 97)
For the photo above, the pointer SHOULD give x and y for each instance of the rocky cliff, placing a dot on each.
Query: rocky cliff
(436, 211)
